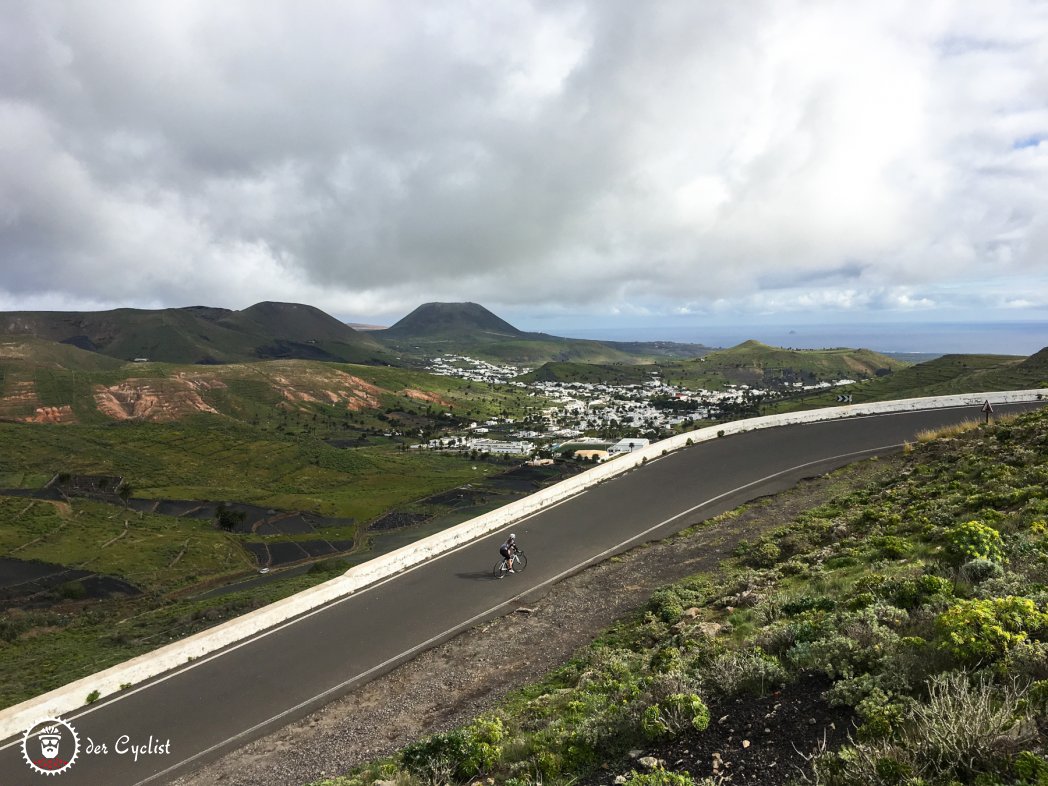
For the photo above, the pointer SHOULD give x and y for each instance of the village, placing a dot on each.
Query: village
(590, 421)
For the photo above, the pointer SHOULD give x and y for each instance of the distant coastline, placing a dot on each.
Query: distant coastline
(997, 338)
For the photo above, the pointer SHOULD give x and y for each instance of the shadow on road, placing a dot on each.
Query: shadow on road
(483, 576)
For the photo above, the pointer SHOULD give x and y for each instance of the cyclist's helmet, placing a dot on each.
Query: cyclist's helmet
(512, 536)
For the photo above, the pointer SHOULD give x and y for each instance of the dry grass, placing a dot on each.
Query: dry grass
(946, 432)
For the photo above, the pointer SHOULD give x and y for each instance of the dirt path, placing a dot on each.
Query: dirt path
(450, 684)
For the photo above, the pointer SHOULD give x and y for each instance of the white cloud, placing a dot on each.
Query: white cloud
(581, 156)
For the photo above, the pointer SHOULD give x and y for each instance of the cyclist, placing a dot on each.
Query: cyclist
(507, 550)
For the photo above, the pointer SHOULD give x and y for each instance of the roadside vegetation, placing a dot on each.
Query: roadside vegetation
(918, 604)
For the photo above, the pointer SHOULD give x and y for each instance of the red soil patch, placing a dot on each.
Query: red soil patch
(429, 398)
(62, 414)
(160, 400)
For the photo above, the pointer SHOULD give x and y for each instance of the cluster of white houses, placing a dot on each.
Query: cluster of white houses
(599, 451)
(577, 408)
(465, 367)
(581, 407)
(480, 445)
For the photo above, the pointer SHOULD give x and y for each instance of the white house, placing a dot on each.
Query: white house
(628, 445)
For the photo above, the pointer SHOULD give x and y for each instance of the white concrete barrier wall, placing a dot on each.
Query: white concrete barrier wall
(14, 720)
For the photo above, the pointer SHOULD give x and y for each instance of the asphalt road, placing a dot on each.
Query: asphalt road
(216, 704)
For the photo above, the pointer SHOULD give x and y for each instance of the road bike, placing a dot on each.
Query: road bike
(502, 567)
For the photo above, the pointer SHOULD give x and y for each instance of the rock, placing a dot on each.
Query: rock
(745, 743)
(619, 779)
(811, 721)
(648, 761)
(692, 613)
(710, 629)
(635, 754)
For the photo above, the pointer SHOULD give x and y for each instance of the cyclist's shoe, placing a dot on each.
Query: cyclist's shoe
(511, 571)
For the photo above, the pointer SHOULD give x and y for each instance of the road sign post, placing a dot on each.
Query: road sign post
(987, 409)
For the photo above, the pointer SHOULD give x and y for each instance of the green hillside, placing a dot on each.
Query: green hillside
(470, 329)
(594, 373)
(33, 352)
(48, 382)
(945, 375)
(750, 363)
(761, 363)
(447, 320)
(200, 334)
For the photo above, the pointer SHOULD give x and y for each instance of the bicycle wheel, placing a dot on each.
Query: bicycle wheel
(520, 561)
(500, 569)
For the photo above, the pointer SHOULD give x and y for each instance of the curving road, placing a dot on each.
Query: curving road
(220, 702)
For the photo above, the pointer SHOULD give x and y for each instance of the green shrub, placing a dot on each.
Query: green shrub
(846, 559)
(769, 608)
(808, 603)
(1027, 660)
(973, 540)
(763, 554)
(890, 547)
(666, 605)
(456, 755)
(1031, 769)
(659, 778)
(852, 643)
(966, 724)
(854, 690)
(906, 593)
(834, 655)
(1037, 697)
(977, 630)
(485, 736)
(882, 715)
(439, 759)
(744, 671)
(674, 714)
(667, 659)
(979, 570)
(965, 728)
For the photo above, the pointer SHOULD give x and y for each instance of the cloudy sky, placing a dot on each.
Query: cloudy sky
(562, 162)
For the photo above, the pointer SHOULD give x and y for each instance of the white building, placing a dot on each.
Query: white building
(628, 445)
(505, 448)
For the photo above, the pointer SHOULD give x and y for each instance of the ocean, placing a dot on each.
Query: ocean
(996, 338)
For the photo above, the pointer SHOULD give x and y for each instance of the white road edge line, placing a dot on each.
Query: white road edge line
(489, 612)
